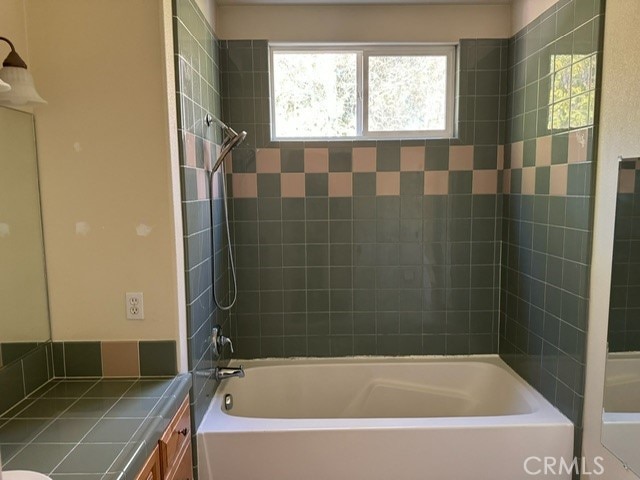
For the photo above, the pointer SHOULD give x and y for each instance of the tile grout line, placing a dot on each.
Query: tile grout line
(51, 420)
(98, 420)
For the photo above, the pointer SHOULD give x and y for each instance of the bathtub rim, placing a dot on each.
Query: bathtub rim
(216, 420)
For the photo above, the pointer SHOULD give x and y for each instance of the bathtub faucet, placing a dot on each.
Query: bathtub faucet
(218, 341)
(222, 373)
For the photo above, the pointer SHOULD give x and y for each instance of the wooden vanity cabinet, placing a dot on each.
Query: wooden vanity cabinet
(171, 459)
(151, 469)
(175, 446)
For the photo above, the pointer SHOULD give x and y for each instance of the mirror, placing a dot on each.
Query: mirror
(24, 309)
(621, 414)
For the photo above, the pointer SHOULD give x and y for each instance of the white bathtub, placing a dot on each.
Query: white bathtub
(427, 418)
(621, 416)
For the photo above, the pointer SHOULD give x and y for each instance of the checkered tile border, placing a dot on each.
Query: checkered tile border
(514, 174)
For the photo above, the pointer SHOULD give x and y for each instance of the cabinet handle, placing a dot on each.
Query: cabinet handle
(184, 431)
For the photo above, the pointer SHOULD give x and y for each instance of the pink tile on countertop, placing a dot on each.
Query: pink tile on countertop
(578, 144)
(461, 157)
(292, 185)
(245, 185)
(268, 160)
(201, 184)
(190, 149)
(436, 183)
(340, 184)
(543, 151)
(412, 159)
(316, 160)
(627, 181)
(500, 157)
(517, 154)
(364, 159)
(558, 180)
(529, 180)
(387, 183)
(485, 181)
(120, 359)
(506, 181)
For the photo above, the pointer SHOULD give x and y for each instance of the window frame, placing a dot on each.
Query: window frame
(363, 52)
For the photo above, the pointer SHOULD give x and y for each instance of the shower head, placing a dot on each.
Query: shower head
(232, 139)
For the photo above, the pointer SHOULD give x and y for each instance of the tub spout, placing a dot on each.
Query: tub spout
(222, 373)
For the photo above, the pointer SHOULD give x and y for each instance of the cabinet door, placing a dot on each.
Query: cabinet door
(175, 439)
(184, 470)
(151, 469)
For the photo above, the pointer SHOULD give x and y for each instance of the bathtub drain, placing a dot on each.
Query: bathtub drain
(228, 401)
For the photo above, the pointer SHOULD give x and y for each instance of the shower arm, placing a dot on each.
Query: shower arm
(210, 119)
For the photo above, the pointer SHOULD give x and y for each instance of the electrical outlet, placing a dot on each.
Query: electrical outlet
(135, 306)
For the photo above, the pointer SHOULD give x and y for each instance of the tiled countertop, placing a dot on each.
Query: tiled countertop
(90, 429)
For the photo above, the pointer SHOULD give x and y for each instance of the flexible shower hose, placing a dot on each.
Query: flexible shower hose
(213, 243)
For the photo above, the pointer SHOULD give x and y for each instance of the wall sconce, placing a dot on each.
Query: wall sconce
(14, 73)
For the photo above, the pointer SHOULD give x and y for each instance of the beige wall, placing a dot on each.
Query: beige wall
(524, 11)
(209, 10)
(108, 183)
(364, 23)
(13, 26)
(619, 122)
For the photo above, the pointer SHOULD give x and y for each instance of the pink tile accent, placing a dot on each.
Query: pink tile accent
(190, 149)
(268, 160)
(217, 184)
(120, 359)
(316, 160)
(627, 181)
(436, 183)
(543, 151)
(485, 181)
(387, 183)
(412, 159)
(461, 157)
(340, 184)
(529, 180)
(292, 185)
(245, 185)
(207, 148)
(228, 162)
(506, 181)
(201, 184)
(558, 181)
(517, 154)
(578, 142)
(500, 157)
(364, 159)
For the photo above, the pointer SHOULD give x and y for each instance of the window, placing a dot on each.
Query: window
(572, 91)
(362, 91)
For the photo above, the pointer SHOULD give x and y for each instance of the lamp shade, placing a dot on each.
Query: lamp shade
(4, 87)
(22, 91)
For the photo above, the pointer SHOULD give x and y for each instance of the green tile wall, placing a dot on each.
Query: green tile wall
(198, 93)
(22, 376)
(624, 309)
(553, 75)
(369, 272)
